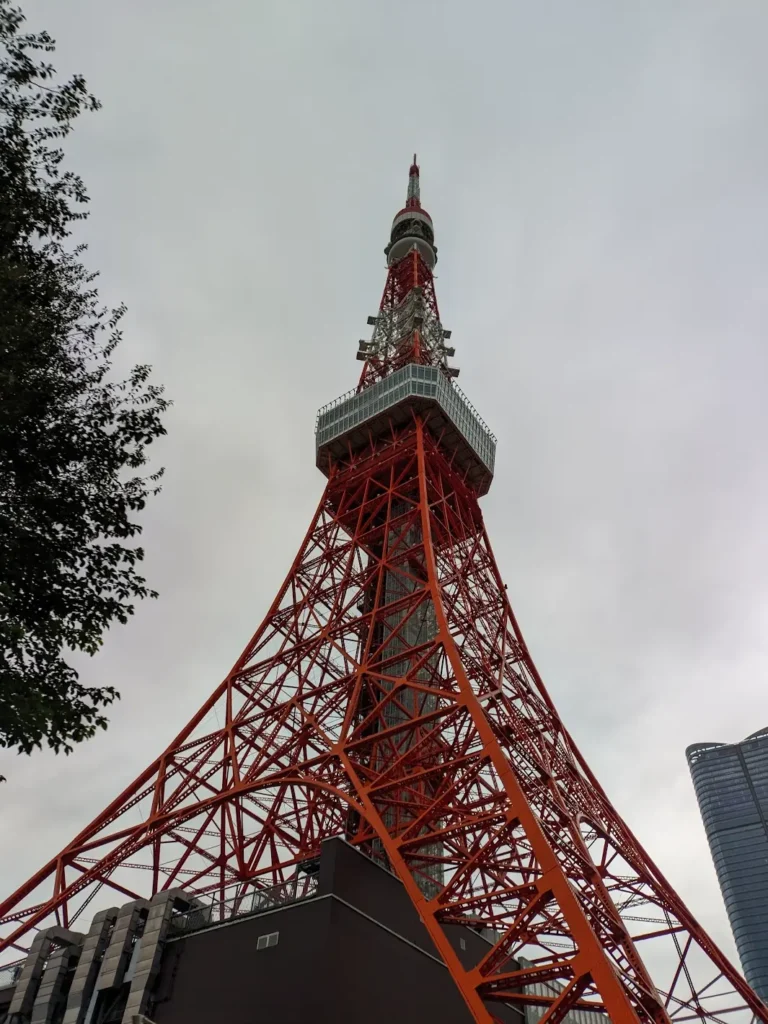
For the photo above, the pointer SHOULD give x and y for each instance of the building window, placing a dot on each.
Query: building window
(266, 941)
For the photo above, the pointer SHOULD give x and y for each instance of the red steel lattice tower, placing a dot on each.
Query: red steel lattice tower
(389, 697)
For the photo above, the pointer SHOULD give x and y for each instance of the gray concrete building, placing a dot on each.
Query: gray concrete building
(731, 783)
(340, 943)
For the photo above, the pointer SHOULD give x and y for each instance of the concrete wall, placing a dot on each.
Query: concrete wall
(356, 953)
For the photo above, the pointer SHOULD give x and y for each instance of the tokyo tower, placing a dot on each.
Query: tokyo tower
(388, 698)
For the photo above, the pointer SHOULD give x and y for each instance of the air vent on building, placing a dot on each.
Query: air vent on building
(266, 941)
(312, 866)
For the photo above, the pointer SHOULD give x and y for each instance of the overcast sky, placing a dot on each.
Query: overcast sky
(597, 176)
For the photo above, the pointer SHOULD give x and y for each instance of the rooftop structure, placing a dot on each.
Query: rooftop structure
(180, 960)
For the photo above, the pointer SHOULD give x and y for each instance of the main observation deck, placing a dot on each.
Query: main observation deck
(349, 423)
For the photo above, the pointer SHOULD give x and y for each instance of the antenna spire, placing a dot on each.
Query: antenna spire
(414, 196)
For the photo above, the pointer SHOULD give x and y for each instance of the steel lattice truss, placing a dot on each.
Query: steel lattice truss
(389, 696)
(408, 313)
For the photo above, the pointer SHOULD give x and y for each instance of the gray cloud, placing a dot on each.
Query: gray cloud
(597, 175)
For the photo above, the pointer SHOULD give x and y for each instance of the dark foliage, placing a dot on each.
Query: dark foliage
(73, 440)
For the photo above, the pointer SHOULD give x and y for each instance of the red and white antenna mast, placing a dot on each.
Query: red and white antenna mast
(407, 328)
(413, 201)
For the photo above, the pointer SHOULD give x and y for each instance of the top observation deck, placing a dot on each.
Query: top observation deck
(348, 424)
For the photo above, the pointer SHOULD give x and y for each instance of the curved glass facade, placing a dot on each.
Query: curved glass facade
(731, 783)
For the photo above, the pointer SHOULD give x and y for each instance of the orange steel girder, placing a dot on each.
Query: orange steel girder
(389, 696)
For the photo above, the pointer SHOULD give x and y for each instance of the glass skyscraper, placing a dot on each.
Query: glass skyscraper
(731, 783)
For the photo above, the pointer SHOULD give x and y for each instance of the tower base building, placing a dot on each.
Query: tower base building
(341, 947)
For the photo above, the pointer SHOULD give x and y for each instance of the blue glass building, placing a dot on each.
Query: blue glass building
(731, 783)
